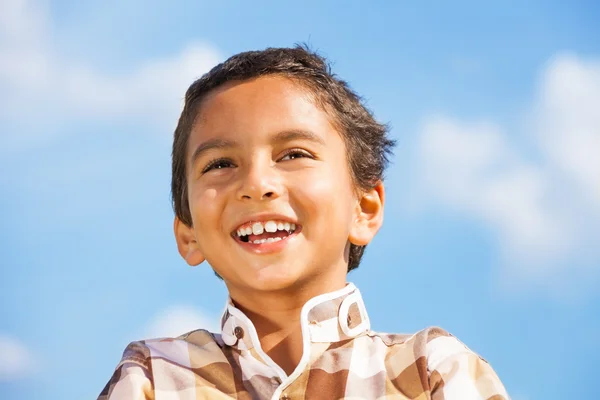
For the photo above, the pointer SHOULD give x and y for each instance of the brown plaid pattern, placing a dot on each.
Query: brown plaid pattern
(342, 359)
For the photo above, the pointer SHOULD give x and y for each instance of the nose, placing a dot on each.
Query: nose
(260, 182)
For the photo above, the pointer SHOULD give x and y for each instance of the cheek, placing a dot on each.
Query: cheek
(327, 198)
(205, 206)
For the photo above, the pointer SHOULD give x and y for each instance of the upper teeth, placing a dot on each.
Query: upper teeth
(258, 228)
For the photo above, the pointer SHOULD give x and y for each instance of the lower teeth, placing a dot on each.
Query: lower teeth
(269, 240)
(246, 239)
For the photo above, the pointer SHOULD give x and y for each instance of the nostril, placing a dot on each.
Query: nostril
(269, 194)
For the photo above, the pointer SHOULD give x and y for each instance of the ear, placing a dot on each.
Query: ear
(187, 244)
(368, 216)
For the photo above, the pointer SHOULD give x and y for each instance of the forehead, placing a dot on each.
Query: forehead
(259, 106)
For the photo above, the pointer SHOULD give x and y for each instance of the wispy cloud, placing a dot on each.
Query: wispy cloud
(35, 75)
(16, 361)
(178, 319)
(542, 204)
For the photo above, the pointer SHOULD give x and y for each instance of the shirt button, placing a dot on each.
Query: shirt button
(238, 332)
(284, 397)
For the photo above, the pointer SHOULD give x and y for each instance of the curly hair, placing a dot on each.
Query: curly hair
(367, 143)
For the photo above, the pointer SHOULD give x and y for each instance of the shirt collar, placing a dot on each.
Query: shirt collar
(327, 318)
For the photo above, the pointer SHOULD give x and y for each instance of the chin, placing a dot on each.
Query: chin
(274, 278)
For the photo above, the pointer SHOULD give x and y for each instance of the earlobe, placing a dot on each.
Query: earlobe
(187, 244)
(368, 217)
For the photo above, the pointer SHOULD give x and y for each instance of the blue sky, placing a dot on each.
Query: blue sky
(493, 206)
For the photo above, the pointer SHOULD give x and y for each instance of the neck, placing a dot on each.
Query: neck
(276, 318)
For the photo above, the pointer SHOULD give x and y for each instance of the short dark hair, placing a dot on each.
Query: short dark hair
(366, 140)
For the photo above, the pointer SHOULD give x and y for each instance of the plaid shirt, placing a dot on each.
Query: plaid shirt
(342, 359)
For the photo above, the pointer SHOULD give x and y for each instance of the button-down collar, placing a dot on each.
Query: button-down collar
(327, 318)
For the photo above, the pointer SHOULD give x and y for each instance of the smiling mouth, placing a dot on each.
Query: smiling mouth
(258, 233)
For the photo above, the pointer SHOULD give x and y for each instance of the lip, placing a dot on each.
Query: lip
(266, 248)
(263, 218)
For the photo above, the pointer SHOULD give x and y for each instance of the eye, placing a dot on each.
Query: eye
(295, 153)
(219, 163)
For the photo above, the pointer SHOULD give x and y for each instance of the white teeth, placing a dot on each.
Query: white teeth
(271, 226)
(257, 228)
(269, 240)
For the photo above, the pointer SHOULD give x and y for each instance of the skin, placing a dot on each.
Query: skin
(305, 179)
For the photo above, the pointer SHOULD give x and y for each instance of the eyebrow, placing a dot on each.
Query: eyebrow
(281, 137)
(297, 134)
(216, 143)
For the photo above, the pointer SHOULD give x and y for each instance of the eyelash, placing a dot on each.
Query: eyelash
(214, 163)
(302, 153)
(218, 163)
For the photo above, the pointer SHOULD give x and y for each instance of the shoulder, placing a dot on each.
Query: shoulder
(437, 345)
(144, 352)
(165, 362)
(137, 353)
(447, 368)
(432, 344)
(132, 377)
(419, 340)
(455, 371)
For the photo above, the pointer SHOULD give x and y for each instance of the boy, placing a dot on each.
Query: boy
(277, 184)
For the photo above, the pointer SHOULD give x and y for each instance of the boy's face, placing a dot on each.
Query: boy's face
(261, 151)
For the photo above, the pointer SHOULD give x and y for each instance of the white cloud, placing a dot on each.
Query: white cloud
(16, 361)
(178, 319)
(154, 89)
(543, 205)
(40, 86)
(569, 122)
(23, 50)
